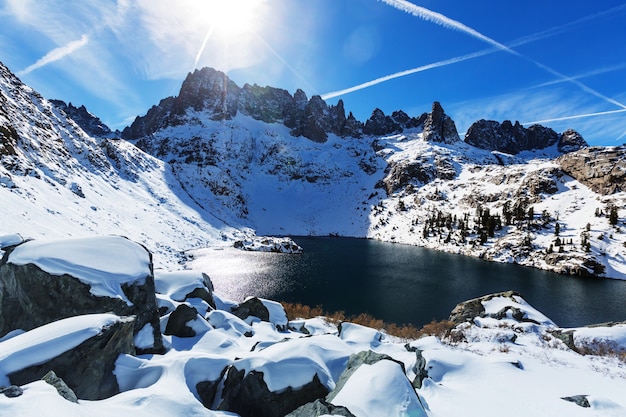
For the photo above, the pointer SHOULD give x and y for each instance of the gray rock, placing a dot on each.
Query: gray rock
(177, 322)
(318, 408)
(252, 307)
(61, 387)
(249, 395)
(602, 169)
(88, 368)
(11, 391)
(421, 372)
(31, 297)
(470, 309)
(580, 400)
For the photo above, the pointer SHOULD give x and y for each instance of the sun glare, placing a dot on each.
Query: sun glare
(233, 17)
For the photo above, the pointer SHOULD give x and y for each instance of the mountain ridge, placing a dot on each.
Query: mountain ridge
(213, 171)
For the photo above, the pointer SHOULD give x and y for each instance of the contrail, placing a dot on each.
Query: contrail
(578, 116)
(204, 42)
(55, 55)
(446, 22)
(408, 72)
(518, 42)
(593, 73)
(441, 20)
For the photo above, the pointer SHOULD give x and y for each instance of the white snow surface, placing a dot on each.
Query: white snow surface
(485, 368)
(117, 261)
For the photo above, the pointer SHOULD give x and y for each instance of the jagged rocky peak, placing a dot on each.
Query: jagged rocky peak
(212, 92)
(439, 127)
(83, 118)
(513, 138)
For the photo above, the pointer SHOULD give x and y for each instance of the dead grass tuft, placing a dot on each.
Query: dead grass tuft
(404, 331)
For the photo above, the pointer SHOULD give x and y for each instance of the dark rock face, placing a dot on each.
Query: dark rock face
(378, 124)
(599, 168)
(88, 368)
(249, 395)
(571, 141)
(513, 138)
(177, 323)
(31, 297)
(439, 127)
(419, 172)
(87, 121)
(213, 93)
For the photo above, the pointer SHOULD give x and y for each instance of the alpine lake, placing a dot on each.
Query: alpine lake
(404, 284)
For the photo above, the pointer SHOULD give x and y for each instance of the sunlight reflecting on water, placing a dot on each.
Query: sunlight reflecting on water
(401, 283)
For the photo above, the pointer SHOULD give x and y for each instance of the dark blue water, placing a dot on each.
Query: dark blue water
(407, 284)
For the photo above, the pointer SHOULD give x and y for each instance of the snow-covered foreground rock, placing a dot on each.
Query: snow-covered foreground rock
(498, 356)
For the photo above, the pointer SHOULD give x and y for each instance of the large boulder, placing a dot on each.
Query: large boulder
(48, 280)
(81, 350)
(374, 384)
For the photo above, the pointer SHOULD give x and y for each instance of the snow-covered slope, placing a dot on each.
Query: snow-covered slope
(393, 188)
(56, 181)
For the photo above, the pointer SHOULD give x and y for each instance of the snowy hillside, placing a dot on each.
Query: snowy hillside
(423, 186)
(57, 181)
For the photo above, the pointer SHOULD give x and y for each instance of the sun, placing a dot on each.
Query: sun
(233, 17)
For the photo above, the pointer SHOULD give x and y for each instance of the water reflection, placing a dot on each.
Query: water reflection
(402, 284)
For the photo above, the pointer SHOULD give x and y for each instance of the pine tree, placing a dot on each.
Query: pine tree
(613, 216)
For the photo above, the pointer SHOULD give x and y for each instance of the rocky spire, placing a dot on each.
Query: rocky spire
(439, 127)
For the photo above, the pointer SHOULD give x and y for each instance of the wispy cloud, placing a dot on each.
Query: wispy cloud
(56, 54)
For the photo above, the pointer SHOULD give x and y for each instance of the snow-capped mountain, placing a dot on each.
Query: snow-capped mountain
(282, 164)
(219, 160)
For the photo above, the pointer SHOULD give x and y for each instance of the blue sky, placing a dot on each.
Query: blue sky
(561, 63)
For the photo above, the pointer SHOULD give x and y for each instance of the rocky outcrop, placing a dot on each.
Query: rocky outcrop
(88, 122)
(439, 127)
(269, 244)
(421, 171)
(602, 169)
(87, 368)
(470, 309)
(514, 138)
(31, 297)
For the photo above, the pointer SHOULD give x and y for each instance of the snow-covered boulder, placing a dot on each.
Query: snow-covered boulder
(254, 309)
(269, 244)
(81, 350)
(42, 281)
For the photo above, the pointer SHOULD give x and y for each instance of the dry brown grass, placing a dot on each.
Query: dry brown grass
(606, 349)
(405, 331)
